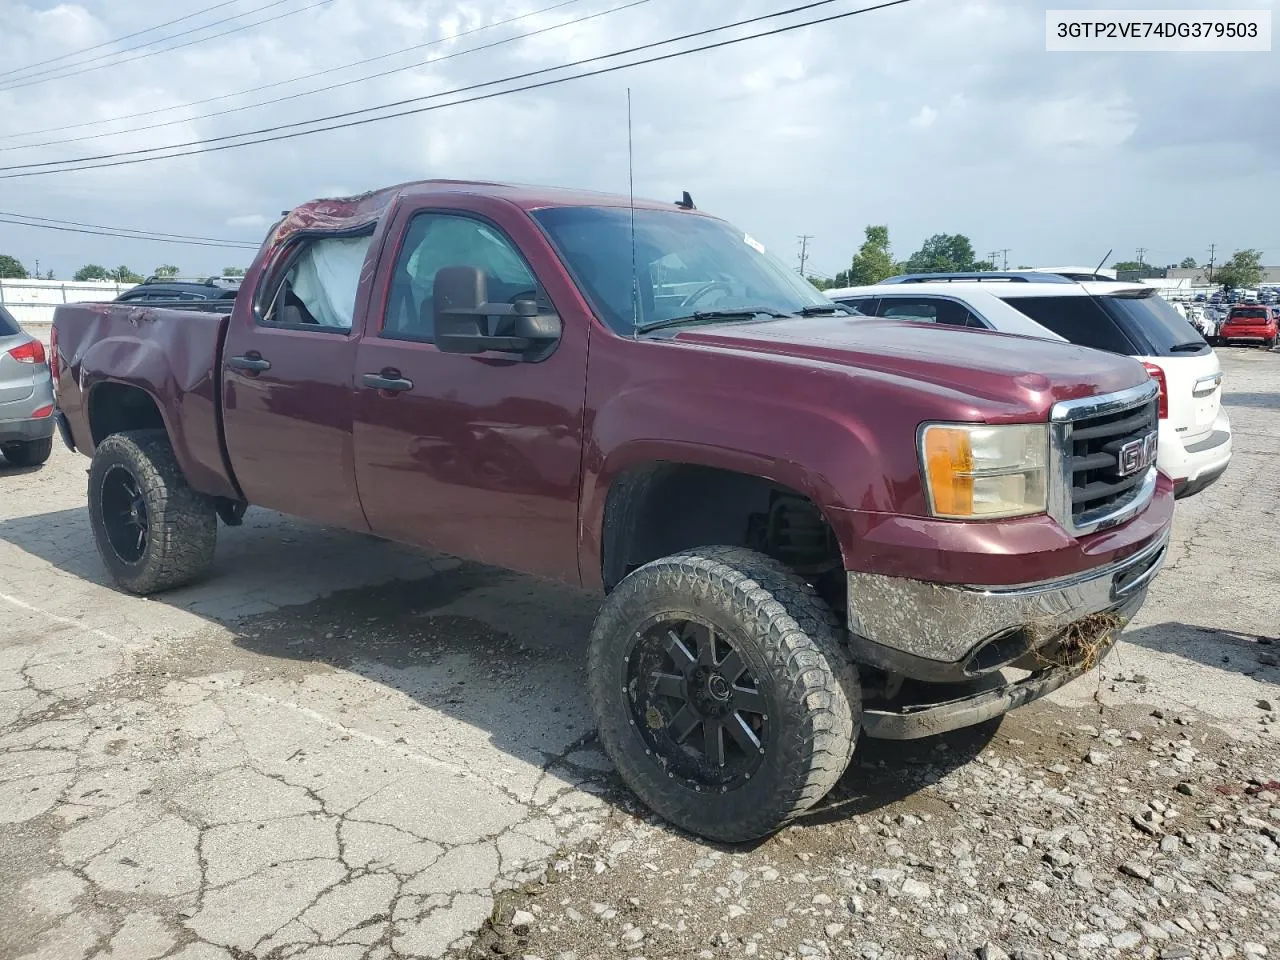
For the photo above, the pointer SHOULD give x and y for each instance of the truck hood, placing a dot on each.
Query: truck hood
(1022, 375)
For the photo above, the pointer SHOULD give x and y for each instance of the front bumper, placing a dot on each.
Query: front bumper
(918, 720)
(947, 633)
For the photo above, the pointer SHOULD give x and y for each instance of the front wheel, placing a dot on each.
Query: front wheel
(723, 691)
(27, 453)
(153, 531)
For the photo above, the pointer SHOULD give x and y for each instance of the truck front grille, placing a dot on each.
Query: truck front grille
(1093, 489)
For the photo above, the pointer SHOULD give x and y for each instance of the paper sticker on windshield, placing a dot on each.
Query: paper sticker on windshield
(753, 243)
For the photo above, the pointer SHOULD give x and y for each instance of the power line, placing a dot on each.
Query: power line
(27, 82)
(29, 170)
(269, 86)
(124, 233)
(107, 43)
(345, 83)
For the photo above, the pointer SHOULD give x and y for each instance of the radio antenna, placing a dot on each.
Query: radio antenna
(1102, 262)
(631, 186)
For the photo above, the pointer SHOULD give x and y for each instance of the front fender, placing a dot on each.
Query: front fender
(832, 458)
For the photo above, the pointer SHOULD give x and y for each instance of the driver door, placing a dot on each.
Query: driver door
(476, 455)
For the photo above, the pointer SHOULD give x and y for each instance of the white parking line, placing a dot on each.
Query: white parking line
(67, 621)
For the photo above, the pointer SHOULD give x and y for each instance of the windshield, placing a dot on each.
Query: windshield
(1151, 318)
(684, 264)
(1249, 313)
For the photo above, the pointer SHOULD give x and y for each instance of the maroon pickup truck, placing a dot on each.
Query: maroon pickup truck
(807, 525)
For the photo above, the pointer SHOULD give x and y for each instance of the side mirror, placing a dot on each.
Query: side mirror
(463, 315)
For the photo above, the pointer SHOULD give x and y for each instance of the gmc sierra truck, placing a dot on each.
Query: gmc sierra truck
(807, 525)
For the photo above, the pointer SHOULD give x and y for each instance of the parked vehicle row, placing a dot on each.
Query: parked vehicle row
(807, 526)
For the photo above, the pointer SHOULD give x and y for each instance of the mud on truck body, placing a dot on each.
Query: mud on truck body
(807, 526)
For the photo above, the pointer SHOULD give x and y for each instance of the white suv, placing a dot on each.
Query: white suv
(1195, 433)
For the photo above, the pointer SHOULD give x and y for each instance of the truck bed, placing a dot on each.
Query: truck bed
(169, 351)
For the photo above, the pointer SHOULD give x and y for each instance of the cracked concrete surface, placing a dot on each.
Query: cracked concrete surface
(340, 749)
(243, 769)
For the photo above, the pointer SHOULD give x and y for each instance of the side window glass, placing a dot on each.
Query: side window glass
(922, 311)
(864, 305)
(435, 241)
(1078, 320)
(319, 290)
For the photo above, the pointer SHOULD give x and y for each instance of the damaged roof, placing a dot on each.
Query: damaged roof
(340, 214)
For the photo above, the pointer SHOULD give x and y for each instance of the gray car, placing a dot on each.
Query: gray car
(26, 396)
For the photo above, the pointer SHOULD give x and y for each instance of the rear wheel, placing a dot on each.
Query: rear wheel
(723, 692)
(153, 531)
(27, 453)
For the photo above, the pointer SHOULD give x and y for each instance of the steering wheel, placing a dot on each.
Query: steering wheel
(702, 291)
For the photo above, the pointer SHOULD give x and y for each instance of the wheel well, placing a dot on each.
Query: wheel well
(117, 407)
(663, 508)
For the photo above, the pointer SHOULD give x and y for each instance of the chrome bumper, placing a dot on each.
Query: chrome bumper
(947, 633)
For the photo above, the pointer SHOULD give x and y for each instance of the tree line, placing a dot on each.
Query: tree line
(953, 253)
(11, 268)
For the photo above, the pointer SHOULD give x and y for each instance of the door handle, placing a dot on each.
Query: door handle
(250, 363)
(386, 380)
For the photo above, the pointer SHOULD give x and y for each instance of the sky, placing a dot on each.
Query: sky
(932, 116)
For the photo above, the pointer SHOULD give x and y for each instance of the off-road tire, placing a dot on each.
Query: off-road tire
(793, 643)
(27, 453)
(182, 525)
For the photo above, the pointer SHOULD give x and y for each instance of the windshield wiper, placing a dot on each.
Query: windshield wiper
(1190, 345)
(703, 316)
(821, 311)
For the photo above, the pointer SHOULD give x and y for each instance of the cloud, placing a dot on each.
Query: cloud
(925, 117)
(817, 131)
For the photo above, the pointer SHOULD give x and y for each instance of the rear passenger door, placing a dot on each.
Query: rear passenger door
(287, 382)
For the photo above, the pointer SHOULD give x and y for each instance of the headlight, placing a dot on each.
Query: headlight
(977, 471)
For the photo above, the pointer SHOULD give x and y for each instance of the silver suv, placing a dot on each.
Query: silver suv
(26, 396)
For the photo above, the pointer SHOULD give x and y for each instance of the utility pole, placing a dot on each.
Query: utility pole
(993, 256)
(1004, 259)
(804, 250)
(1212, 248)
(1141, 253)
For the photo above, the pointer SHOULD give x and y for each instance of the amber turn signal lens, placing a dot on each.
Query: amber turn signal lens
(948, 458)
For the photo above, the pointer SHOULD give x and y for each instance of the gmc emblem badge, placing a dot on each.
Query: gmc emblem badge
(1136, 455)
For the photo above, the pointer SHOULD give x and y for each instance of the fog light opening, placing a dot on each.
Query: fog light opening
(998, 651)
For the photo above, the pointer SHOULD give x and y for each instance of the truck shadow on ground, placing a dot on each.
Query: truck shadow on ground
(467, 647)
(523, 643)
(1244, 653)
(7, 469)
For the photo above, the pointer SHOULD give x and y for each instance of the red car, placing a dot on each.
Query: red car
(1252, 322)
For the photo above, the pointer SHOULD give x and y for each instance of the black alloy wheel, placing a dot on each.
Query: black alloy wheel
(124, 514)
(695, 703)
